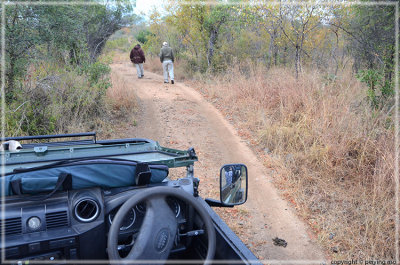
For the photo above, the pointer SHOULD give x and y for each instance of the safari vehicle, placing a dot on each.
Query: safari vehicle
(83, 200)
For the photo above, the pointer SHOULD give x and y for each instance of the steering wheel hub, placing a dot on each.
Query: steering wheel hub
(162, 240)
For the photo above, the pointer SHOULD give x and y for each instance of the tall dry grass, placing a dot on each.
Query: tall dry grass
(122, 98)
(334, 154)
(154, 65)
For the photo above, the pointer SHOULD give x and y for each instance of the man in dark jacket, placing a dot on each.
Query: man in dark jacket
(137, 57)
(167, 60)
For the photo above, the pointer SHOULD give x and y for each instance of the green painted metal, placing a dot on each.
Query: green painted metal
(147, 151)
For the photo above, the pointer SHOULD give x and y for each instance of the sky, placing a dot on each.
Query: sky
(146, 6)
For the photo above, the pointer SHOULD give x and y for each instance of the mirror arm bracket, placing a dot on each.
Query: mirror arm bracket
(196, 182)
(215, 203)
(190, 171)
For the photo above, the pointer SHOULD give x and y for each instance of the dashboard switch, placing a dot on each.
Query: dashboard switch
(62, 243)
(73, 254)
(12, 252)
(34, 247)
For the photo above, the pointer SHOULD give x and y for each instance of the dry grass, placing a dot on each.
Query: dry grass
(154, 65)
(52, 100)
(335, 155)
(122, 98)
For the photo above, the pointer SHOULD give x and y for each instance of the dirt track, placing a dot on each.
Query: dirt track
(178, 117)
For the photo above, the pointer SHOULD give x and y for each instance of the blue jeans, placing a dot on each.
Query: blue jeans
(139, 68)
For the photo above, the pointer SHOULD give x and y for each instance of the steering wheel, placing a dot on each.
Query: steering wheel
(160, 226)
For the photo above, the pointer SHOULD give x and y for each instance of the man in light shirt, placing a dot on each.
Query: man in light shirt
(167, 60)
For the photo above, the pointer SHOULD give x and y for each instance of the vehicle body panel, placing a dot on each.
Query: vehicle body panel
(51, 226)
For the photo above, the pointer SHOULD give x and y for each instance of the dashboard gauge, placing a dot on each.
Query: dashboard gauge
(174, 205)
(141, 207)
(128, 221)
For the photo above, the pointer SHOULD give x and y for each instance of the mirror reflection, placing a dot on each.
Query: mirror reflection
(233, 184)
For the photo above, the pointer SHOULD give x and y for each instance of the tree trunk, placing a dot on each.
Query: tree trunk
(211, 44)
(284, 55)
(10, 81)
(297, 61)
(389, 68)
(271, 50)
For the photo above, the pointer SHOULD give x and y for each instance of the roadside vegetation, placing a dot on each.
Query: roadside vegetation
(55, 82)
(121, 100)
(311, 88)
(328, 152)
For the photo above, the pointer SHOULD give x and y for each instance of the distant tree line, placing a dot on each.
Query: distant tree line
(210, 38)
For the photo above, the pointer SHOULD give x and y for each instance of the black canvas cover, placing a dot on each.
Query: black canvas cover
(104, 173)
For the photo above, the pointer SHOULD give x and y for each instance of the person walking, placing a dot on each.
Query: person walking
(167, 60)
(137, 57)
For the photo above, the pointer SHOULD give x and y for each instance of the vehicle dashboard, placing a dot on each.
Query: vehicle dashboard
(74, 224)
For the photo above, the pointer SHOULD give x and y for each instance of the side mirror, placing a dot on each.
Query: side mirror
(233, 184)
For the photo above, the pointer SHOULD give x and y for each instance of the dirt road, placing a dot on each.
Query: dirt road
(178, 117)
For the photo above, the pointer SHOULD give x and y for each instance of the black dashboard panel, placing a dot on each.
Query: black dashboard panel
(74, 224)
(51, 229)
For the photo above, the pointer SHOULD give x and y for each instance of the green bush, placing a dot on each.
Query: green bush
(97, 72)
(379, 90)
(122, 44)
(56, 100)
(143, 36)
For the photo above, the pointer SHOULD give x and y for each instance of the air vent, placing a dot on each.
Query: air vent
(86, 210)
(12, 226)
(56, 219)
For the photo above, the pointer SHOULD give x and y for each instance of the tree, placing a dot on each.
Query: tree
(188, 22)
(102, 21)
(265, 16)
(371, 33)
(217, 17)
(79, 30)
(21, 36)
(296, 23)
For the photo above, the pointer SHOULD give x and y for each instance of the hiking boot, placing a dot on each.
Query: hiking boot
(165, 82)
(172, 81)
(142, 75)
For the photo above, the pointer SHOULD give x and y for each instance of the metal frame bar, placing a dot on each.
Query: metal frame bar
(39, 137)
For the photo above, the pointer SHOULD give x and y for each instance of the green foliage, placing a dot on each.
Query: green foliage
(102, 22)
(216, 35)
(143, 36)
(213, 36)
(20, 35)
(215, 16)
(53, 81)
(28, 118)
(371, 33)
(370, 77)
(379, 90)
(97, 73)
(73, 34)
(54, 99)
(122, 44)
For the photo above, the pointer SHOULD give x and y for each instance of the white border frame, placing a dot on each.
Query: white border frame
(396, 143)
